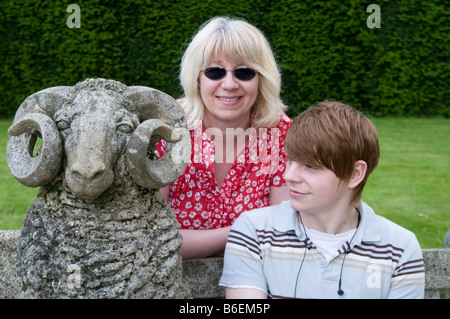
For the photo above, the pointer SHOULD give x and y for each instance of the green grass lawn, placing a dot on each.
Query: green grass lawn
(410, 185)
(15, 198)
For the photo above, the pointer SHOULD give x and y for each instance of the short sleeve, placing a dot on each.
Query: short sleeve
(242, 261)
(408, 280)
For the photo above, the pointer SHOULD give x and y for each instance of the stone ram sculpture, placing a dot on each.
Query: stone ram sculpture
(98, 227)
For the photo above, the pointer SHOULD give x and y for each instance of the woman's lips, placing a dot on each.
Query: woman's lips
(229, 100)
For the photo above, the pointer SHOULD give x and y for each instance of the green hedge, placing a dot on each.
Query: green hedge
(325, 49)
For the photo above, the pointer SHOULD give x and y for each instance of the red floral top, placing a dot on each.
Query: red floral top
(199, 203)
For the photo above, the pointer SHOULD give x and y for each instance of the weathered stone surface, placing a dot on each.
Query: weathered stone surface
(99, 227)
(129, 248)
(437, 268)
(437, 272)
(9, 280)
(201, 276)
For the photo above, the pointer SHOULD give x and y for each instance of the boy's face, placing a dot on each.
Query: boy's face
(315, 190)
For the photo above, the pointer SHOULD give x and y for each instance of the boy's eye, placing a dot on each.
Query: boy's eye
(314, 168)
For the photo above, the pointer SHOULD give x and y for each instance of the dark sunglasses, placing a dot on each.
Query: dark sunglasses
(216, 73)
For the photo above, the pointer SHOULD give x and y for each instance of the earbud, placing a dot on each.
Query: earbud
(340, 292)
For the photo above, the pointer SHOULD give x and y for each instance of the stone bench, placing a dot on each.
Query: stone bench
(201, 276)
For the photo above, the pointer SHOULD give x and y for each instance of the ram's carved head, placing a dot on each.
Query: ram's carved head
(87, 127)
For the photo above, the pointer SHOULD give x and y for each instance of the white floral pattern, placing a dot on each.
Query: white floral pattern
(199, 203)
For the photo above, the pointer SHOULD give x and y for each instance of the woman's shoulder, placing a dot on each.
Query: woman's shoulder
(285, 122)
(285, 119)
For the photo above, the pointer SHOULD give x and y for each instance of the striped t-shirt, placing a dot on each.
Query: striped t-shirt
(267, 249)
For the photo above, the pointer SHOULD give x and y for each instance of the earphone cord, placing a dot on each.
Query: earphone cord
(340, 291)
(304, 255)
(298, 274)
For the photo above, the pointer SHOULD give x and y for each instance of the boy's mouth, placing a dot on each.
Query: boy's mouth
(295, 193)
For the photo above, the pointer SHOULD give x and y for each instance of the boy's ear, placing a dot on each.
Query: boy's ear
(359, 172)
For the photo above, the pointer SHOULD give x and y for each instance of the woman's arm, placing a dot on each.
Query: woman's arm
(206, 243)
(198, 243)
(244, 293)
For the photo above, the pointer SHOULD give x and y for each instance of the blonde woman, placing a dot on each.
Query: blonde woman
(237, 124)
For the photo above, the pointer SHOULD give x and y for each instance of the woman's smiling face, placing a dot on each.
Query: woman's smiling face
(227, 99)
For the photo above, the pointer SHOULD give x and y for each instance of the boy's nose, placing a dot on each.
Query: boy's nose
(293, 173)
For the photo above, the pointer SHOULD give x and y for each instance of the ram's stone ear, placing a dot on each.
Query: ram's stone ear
(34, 120)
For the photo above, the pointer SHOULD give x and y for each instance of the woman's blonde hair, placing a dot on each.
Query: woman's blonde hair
(240, 42)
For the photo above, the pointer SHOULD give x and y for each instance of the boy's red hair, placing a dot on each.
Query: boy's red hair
(334, 135)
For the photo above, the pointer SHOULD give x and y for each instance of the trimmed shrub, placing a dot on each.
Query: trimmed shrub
(325, 49)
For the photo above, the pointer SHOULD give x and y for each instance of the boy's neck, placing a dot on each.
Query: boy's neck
(333, 222)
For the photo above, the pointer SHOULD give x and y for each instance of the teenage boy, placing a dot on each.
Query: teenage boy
(324, 242)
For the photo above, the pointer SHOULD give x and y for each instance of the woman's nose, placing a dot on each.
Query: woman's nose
(230, 82)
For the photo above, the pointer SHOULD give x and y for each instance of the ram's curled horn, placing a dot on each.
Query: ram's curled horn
(154, 104)
(155, 173)
(162, 117)
(34, 119)
(36, 170)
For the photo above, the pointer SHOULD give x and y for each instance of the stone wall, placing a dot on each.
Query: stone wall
(201, 276)
(8, 276)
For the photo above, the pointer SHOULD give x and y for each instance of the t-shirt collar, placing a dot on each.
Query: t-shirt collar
(285, 219)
